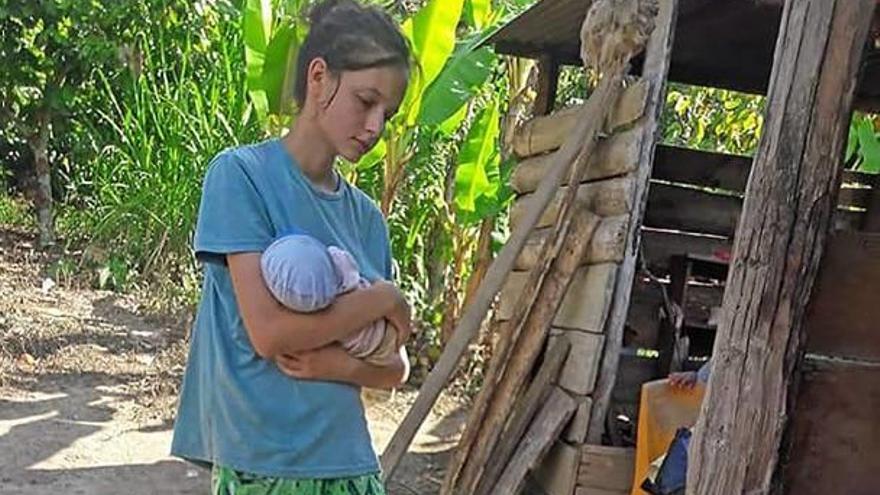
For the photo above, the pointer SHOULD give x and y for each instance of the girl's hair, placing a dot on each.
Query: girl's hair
(349, 36)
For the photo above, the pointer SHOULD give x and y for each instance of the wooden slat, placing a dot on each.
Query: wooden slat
(659, 246)
(557, 473)
(607, 468)
(692, 210)
(537, 441)
(585, 490)
(681, 165)
(608, 244)
(689, 166)
(871, 219)
(547, 133)
(679, 208)
(835, 433)
(718, 170)
(576, 431)
(579, 373)
(526, 407)
(607, 198)
(854, 197)
(548, 82)
(844, 310)
(614, 156)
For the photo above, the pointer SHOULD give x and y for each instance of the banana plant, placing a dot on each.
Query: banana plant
(863, 147)
(273, 33)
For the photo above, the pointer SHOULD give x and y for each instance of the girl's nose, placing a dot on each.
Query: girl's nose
(375, 122)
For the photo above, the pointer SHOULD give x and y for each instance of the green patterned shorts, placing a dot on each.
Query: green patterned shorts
(226, 481)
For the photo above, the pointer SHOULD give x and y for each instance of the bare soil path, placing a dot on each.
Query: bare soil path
(88, 385)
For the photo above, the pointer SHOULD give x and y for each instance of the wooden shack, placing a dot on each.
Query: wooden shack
(685, 229)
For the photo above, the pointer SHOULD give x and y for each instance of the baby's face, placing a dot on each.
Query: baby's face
(346, 268)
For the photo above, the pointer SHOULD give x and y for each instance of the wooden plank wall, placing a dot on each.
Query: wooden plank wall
(609, 195)
(834, 432)
(693, 206)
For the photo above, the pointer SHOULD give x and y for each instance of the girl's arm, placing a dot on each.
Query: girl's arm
(275, 330)
(333, 363)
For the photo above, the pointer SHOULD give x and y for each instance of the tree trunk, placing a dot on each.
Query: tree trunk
(789, 201)
(452, 300)
(42, 193)
(483, 258)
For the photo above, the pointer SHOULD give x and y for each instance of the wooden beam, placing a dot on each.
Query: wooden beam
(608, 244)
(717, 171)
(548, 82)
(657, 56)
(607, 468)
(606, 198)
(538, 440)
(536, 395)
(789, 205)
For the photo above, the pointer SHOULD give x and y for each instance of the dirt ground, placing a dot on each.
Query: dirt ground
(88, 386)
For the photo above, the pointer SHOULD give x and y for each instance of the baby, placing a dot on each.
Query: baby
(306, 276)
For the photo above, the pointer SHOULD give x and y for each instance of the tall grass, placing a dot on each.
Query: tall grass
(152, 141)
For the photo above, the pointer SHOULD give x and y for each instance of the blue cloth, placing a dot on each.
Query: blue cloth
(237, 409)
(299, 272)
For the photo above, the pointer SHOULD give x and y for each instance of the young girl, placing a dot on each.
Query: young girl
(269, 399)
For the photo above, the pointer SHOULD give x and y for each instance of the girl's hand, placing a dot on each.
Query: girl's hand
(333, 363)
(400, 315)
(330, 362)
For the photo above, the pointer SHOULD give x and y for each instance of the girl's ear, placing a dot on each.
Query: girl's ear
(319, 82)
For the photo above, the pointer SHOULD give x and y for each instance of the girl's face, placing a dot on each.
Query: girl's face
(352, 107)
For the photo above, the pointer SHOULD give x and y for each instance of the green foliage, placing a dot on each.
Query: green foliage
(14, 212)
(464, 75)
(137, 189)
(431, 32)
(478, 13)
(480, 189)
(712, 119)
(54, 46)
(272, 37)
(863, 147)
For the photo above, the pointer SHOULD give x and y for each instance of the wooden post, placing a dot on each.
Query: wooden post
(657, 57)
(548, 81)
(789, 202)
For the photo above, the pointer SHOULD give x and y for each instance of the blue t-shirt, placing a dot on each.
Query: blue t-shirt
(237, 409)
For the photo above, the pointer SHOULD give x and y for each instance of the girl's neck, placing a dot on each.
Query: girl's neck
(314, 157)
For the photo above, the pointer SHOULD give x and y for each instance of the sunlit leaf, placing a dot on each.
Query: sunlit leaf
(373, 157)
(478, 156)
(869, 147)
(462, 76)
